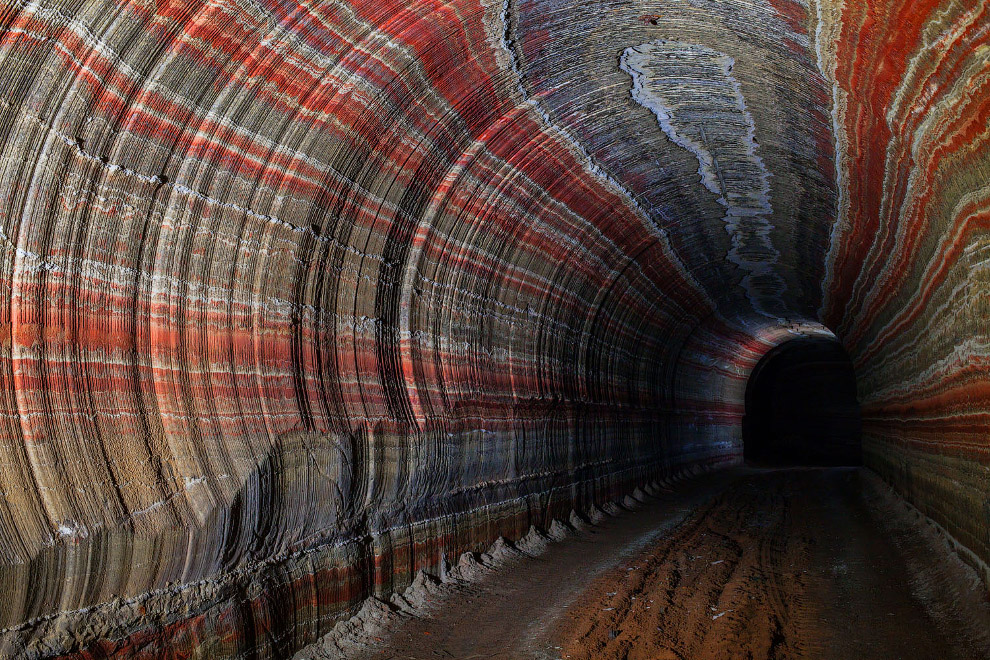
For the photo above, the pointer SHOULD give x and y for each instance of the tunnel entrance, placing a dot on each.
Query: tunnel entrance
(801, 406)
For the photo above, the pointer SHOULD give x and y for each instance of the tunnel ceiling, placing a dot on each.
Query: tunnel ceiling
(311, 295)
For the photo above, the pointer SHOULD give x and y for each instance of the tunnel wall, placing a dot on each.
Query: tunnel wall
(304, 297)
(714, 368)
(907, 279)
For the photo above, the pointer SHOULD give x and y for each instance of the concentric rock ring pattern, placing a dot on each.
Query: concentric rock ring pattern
(303, 297)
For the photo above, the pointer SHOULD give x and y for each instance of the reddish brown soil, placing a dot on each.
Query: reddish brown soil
(784, 564)
(802, 563)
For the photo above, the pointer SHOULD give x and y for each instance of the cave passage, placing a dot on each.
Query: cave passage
(801, 406)
(307, 306)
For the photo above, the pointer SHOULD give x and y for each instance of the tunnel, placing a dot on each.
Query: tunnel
(315, 312)
(801, 406)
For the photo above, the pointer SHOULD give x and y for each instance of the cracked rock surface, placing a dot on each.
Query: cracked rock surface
(301, 299)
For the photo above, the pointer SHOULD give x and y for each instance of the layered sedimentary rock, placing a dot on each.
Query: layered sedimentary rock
(906, 277)
(691, 87)
(304, 297)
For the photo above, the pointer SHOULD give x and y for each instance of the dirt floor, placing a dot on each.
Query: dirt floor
(797, 563)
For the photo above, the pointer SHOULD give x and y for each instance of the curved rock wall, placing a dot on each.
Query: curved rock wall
(909, 267)
(304, 297)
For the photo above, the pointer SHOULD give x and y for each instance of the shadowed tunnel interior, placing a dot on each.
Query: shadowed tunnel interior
(303, 298)
(801, 406)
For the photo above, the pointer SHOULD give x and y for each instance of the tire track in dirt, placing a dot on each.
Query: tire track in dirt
(719, 582)
(783, 564)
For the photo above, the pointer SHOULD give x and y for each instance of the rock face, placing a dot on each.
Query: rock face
(302, 298)
(690, 88)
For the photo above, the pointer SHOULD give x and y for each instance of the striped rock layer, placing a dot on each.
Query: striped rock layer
(303, 297)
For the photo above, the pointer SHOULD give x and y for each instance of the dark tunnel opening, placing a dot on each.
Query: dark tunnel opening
(801, 406)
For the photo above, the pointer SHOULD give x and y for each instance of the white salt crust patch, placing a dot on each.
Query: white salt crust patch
(700, 107)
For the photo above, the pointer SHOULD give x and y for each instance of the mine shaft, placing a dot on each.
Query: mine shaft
(494, 329)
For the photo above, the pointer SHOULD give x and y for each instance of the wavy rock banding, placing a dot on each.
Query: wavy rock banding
(700, 107)
(303, 298)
